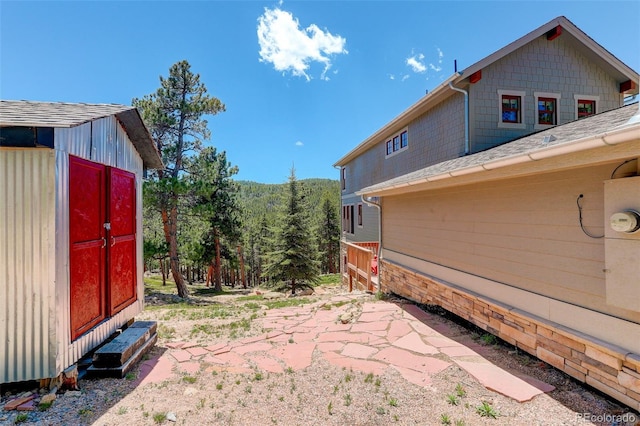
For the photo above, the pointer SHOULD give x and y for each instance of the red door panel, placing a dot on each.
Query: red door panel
(87, 244)
(122, 250)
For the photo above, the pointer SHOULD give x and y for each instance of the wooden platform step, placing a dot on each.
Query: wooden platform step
(117, 358)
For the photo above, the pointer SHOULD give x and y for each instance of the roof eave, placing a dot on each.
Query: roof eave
(622, 134)
(441, 92)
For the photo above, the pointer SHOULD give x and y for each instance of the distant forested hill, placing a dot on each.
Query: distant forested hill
(258, 200)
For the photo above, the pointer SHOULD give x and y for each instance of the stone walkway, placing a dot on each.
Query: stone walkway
(384, 335)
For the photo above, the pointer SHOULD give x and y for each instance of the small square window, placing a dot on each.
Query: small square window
(586, 108)
(511, 109)
(547, 111)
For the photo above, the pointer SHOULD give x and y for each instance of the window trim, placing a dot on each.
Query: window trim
(393, 144)
(546, 95)
(360, 222)
(595, 99)
(518, 93)
(348, 221)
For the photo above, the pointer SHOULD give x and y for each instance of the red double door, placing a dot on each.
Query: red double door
(102, 233)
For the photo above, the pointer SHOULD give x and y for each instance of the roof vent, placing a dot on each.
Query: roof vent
(548, 138)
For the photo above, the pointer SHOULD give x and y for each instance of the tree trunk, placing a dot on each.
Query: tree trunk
(218, 280)
(169, 224)
(293, 286)
(242, 275)
(164, 274)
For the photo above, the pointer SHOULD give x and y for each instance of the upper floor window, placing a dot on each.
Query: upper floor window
(343, 178)
(586, 105)
(511, 108)
(398, 142)
(546, 109)
(359, 214)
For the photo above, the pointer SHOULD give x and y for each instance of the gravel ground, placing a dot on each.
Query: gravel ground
(321, 394)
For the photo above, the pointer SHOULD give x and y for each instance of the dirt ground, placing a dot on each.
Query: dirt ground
(321, 394)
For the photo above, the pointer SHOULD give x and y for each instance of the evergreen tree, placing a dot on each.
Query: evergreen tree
(328, 236)
(173, 115)
(294, 256)
(214, 200)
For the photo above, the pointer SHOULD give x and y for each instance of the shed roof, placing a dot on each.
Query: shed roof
(580, 40)
(65, 115)
(608, 128)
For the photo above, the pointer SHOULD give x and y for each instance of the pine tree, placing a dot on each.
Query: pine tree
(294, 257)
(173, 115)
(328, 236)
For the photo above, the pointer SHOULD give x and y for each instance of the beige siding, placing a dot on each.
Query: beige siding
(523, 232)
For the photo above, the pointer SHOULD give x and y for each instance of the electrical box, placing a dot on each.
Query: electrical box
(622, 242)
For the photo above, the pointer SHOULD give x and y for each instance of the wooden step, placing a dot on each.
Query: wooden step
(117, 357)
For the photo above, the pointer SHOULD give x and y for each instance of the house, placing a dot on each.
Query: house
(70, 230)
(509, 195)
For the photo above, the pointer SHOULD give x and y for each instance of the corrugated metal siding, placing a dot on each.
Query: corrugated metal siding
(27, 264)
(111, 146)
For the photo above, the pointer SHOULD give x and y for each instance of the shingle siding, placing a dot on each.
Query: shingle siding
(565, 71)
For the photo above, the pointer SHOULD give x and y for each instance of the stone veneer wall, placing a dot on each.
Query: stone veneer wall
(606, 367)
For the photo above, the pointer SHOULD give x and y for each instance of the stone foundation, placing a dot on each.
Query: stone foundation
(606, 367)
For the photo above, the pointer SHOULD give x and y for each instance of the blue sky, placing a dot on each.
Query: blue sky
(303, 81)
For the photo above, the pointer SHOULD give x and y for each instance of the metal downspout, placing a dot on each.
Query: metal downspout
(467, 147)
(377, 206)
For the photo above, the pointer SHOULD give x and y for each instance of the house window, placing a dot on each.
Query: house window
(398, 142)
(343, 178)
(360, 214)
(348, 219)
(511, 107)
(546, 109)
(586, 105)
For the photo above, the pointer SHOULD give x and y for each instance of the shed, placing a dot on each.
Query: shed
(70, 230)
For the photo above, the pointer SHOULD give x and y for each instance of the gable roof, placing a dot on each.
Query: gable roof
(581, 41)
(613, 127)
(67, 115)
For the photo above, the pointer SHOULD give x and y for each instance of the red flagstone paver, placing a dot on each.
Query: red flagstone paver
(398, 328)
(338, 336)
(413, 376)
(422, 328)
(210, 359)
(27, 406)
(154, 370)
(379, 341)
(174, 345)
(181, 355)
(370, 326)
(253, 339)
(499, 380)
(295, 355)
(303, 337)
(190, 345)
(267, 364)
(339, 327)
(442, 342)
(406, 359)
(232, 359)
(190, 367)
(330, 346)
(253, 347)
(374, 316)
(272, 334)
(216, 347)
(356, 350)
(457, 351)
(414, 343)
(362, 365)
(197, 351)
(378, 307)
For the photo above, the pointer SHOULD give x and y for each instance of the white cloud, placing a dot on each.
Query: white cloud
(392, 77)
(289, 48)
(299, 143)
(405, 77)
(416, 63)
(437, 68)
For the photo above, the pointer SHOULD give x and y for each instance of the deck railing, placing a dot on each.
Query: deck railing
(359, 271)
